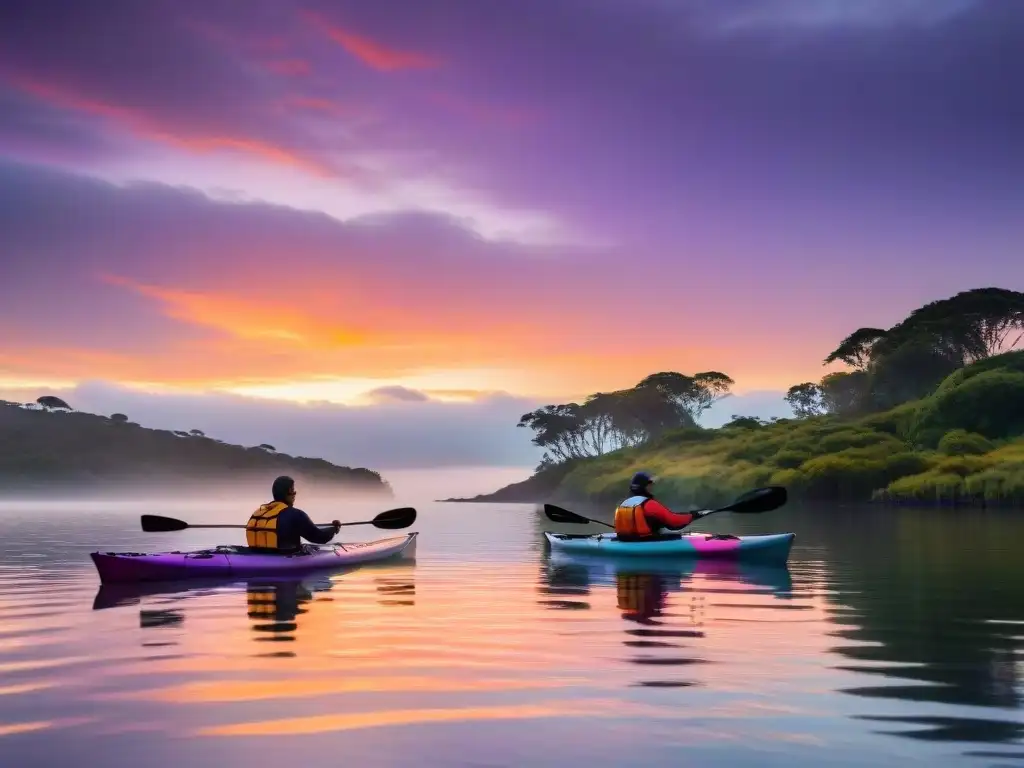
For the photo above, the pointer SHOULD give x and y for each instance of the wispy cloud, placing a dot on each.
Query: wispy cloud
(371, 52)
(141, 125)
(740, 15)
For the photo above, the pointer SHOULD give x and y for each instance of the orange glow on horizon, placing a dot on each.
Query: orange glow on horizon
(337, 348)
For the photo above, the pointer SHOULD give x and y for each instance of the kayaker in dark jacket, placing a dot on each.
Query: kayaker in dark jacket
(279, 526)
(642, 516)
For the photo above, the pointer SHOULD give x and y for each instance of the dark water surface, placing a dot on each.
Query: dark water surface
(893, 636)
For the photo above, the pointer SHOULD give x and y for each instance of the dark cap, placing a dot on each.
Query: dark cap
(640, 481)
(281, 487)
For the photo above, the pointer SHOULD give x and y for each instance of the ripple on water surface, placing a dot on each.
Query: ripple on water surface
(487, 650)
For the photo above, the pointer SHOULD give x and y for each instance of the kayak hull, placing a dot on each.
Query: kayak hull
(767, 548)
(135, 567)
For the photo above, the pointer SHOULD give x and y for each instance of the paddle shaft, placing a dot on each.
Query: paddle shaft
(318, 525)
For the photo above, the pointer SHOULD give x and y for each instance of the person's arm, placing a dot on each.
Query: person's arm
(658, 512)
(311, 532)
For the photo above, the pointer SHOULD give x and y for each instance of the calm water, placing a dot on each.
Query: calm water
(890, 637)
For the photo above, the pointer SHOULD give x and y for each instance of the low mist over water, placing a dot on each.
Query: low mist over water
(410, 486)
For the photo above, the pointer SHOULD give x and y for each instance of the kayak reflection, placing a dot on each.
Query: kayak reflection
(273, 605)
(661, 629)
(581, 571)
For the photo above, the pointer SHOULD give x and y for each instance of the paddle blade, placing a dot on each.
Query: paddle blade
(560, 515)
(759, 500)
(160, 524)
(402, 517)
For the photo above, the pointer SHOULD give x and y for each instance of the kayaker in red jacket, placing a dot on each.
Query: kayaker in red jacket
(280, 527)
(642, 516)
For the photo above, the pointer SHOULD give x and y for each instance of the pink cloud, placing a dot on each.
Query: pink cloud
(371, 52)
(144, 126)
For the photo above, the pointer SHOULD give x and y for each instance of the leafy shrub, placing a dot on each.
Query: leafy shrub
(751, 450)
(960, 442)
(851, 438)
(932, 486)
(989, 403)
(790, 459)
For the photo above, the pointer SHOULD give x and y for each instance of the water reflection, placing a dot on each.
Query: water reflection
(935, 616)
(273, 605)
(662, 600)
(888, 639)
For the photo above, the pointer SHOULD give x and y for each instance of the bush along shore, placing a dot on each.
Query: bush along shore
(930, 411)
(46, 446)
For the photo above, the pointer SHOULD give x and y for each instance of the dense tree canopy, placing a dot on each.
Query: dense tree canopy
(907, 362)
(607, 421)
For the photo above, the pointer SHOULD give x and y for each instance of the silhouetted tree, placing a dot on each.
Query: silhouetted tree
(197, 433)
(906, 362)
(49, 401)
(805, 399)
(607, 421)
(120, 418)
(693, 394)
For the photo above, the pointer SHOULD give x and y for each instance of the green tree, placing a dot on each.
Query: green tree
(909, 372)
(966, 327)
(906, 362)
(805, 399)
(844, 392)
(608, 421)
(692, 394)
(558, 430)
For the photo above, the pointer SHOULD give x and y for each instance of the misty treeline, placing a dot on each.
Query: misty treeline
(908, 361)
(49, 444)
(606, 421)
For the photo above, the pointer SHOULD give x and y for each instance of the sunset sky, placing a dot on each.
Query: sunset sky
(488, 205)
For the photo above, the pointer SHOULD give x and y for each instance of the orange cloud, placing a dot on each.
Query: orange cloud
(244, 319)
(145, 127)
(335, 341)
(371, 52)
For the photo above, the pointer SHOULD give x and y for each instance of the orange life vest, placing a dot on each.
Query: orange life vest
(261, 530)
(630, 519)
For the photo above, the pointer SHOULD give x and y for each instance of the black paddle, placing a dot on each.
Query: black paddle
(751, 502)
(402, 517)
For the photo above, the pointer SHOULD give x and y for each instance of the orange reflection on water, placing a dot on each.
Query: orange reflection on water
(358, 720)
(241, 690)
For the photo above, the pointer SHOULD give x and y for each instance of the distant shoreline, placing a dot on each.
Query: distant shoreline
(50, 450)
